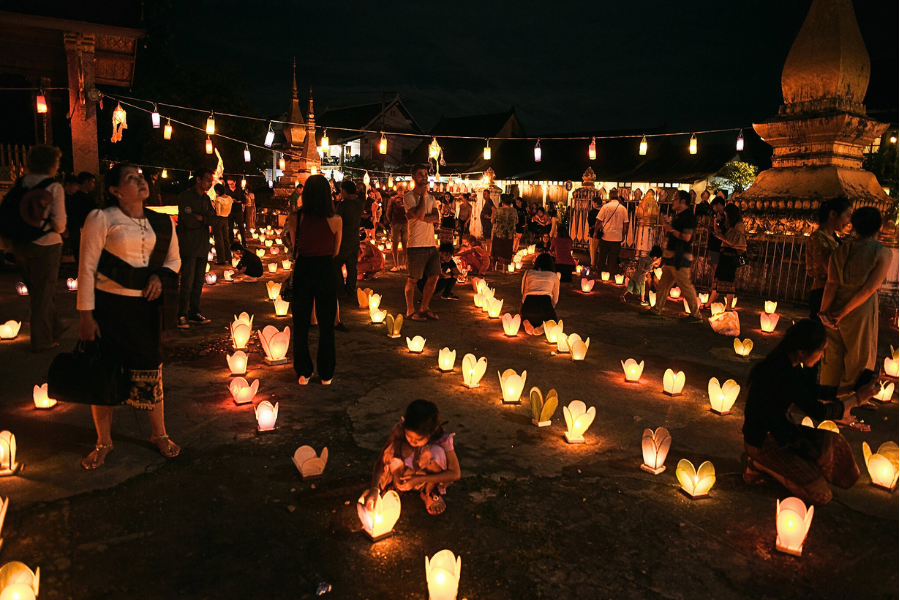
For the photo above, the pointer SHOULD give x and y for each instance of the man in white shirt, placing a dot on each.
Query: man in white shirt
(422, 254)
(612, 220)
(221, 234)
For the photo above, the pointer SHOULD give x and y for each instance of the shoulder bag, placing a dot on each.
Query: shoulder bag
(88, 375)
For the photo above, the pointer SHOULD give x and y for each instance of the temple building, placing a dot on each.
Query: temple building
(295, 144)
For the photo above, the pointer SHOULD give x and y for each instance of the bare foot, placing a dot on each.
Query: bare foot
(434, 504)
(167, 447)
(96, 458)
(854, 424)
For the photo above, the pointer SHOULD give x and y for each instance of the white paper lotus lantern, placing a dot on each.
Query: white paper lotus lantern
(8, 464)
(379, 522)
(511, 324)
(673, 382)
(72, 284)
(281, 306)
(883, 465)
(722, 397)
(416, 344)
(374, 301)
(310, 464)
(10, 330)
(771, 306)
(393, 325)
(227, 276)
(695, 483)
(275, 344)
(886, 393)
(578, 419)
(792, 521)
(269, 243)
(241, 391)
(768, 322)
(446, 359)
(211, 278)
(658, 272)
(266, 415)
(587, 284)
(733, 302)
(261, 252)
(478, 285)
(41, 399)
(542, 409)
(511, 267)
(703, 297)
(511, 385)
(604, 275)
(473, 370)
(278, 241)
(562, 344)
(273, 289)
(655, 446)
(18, 582)
(210, 256)
(892, 363)
(235, 262)
(518, 264)
(532, 249)
(21, 289)
(717, 308)
(675, 292)
(286, 264)
(376, 316)
(442, 575)
(633, 370)
(620, 279)
(826, 425)
(241, 330)
(495, 308)
(237, 363)
(273, 268)
(552, 331)
(478, 299)
(744, 348)
(362, 297)
(275, 251)
(651, 298)
(578, 349)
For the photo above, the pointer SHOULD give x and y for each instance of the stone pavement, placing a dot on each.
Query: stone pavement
(532, 517)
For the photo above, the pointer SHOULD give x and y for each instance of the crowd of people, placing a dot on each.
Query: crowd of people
(139, 274)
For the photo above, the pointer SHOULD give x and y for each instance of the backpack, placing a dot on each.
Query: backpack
(21, 208)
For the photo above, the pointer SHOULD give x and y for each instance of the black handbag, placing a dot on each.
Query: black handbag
(88, 375)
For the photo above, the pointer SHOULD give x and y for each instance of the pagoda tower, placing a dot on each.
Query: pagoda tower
(299, 149)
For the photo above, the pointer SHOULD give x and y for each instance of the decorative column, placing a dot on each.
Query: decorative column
(82, 110)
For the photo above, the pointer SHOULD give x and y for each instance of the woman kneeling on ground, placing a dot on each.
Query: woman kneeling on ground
(540, 293)
(802, 459)
(127, 255)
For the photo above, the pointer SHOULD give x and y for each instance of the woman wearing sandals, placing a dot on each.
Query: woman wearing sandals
(126, 256)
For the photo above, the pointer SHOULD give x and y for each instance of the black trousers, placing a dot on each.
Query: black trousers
(815, 303)
(193, 274)
(349, 260)
(444, 285)
(314, 282)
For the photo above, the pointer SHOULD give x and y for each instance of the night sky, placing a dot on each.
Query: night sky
(566, 66)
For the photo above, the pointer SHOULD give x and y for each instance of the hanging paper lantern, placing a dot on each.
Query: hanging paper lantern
(167, 130)
(693, 144)
(487, 149)
(154, 118)
(209, 146)
(165, 174)
(366, 179)
(740, 141)
(270, 137)
(537, 151)
(592, 149)
(313, 170)
(282, 164)
(325, 145)
(246, 153)
(434, 149)
(41, 103)
(120, 123)
(210, 124)
(643, 147)
(382, 145)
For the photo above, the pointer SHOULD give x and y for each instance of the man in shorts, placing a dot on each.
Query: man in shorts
(399, 240)
(421, 253)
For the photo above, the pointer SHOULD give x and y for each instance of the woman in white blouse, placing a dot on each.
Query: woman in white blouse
(540, 293)
(127, 256)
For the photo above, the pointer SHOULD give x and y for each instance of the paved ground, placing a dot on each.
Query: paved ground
(533, 517)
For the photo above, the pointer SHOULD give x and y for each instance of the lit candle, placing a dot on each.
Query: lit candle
(633, 370)
(237, 362)
(41, 399)
(266, 415)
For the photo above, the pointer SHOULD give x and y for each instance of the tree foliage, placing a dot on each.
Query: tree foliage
(884, 165)
(739, 174)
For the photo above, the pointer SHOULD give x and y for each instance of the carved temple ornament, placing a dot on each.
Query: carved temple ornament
(589, 178)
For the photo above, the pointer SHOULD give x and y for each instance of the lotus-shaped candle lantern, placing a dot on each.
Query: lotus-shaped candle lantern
(826, 425)
(281, 306)
(722, 397)
(771, 306)
(578, 269)
(675, 292)
(633, 370)
(657, 272)
(687, 307)
(587, 284)
(278, 241)
(886, 393)
(696, 484)
(478, 284)
(792, 521)
(241, 330)
(578, 419)
(275, 344)
(18, 582)
(41, 399)
(651, 298)
(655, 446)
(211, 278)
(376, 316)
(673, 382)
(416, 344)
(494, 309)
(10, 330)
(8, 464)
(542, 409)
(237, 363)
(254, 235)
(892, 363)
(716, 309)
(72, 284)
(703, 297)
(562, 344)
(379, 522)
(227, 276)
(473, 370)
(266, 415)
(235, 262)
(273, 267)
(394, 325)
(511, 267)
(442, 574)
(310, 465)
(883, 465)
(286, 264)
(518, 264)
(743, 348)
(512, 384)
(578, 349)
(241, 391)
(768, 322)
(362, 297)
(21, 289)
(446, 359)
(620, 279)
(511, 324)
(273, 289)
(532, 249)
(604, 275)
(552, 330)
(374, 301)
(260, 252)
(478, 299)
(269, 243)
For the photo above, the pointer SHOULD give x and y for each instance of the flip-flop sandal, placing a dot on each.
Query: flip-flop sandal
(429, 315)
(854, 424)
(415, 317)
(432, 501)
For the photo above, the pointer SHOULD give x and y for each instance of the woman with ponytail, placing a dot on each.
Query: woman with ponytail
(803, 459)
